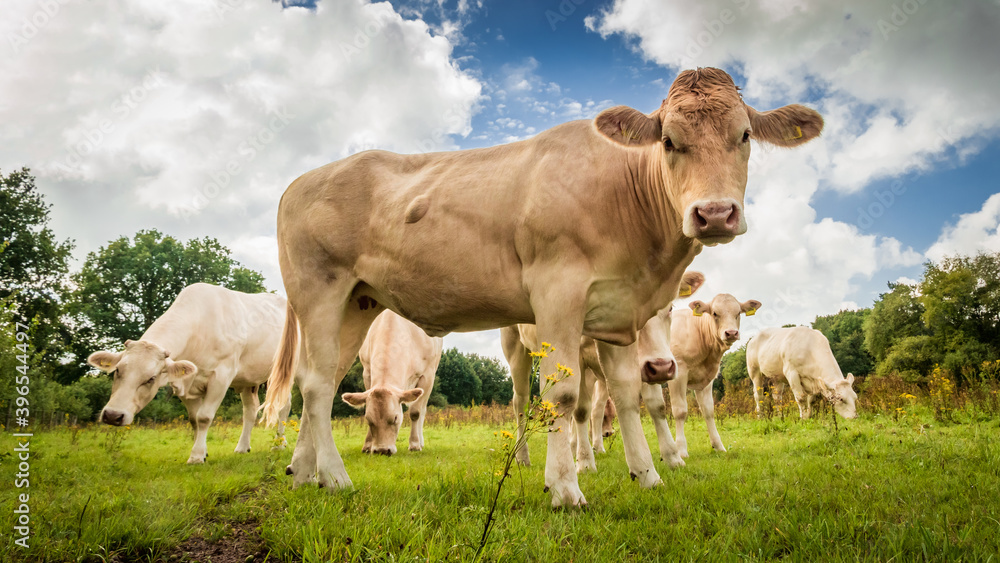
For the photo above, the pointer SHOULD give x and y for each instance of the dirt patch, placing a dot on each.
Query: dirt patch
(242, 545)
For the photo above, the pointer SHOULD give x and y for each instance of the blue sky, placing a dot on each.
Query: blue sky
(135, 118)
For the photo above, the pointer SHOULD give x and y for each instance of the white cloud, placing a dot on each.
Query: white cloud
(193, 117)
(972, 233)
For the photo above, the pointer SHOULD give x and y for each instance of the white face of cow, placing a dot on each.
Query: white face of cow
(383, 413)
(139, 372)
(724, 316)
(845, 399)
(701, 135)
(655, 357)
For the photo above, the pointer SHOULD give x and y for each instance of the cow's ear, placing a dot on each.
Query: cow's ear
(105, 361)
(411, 395)
(690, 282)
(787, 126)
(850, 379)
(180, 375)
(356, 400)
(699, 308)
(628, 126)
(750, 307)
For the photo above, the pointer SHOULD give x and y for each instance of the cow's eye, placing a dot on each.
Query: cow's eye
(150, 381)
(668, 144)
(746, 136)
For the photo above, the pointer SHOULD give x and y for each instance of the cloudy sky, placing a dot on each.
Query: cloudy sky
(192, 116)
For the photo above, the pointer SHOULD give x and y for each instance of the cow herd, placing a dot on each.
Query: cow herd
(579, 237)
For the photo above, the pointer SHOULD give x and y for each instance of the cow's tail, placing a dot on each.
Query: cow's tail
(279, 383)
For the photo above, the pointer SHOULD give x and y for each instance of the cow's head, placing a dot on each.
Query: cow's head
(655, 356)
(139, 371)
(844, 398)
(701, 137)
(722, 315)
(384, 413)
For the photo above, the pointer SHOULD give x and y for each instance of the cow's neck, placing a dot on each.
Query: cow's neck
(706, 328)
(170, 334)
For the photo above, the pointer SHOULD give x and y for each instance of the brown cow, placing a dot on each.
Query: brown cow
(583, 230)
(400, 362)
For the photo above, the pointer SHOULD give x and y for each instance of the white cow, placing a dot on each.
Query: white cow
(400, 362)
(625, 376)
(699, 338)
(801, 357)
(210, 339)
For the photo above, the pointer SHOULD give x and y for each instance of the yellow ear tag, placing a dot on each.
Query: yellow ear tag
(750, 312)
(685, 291)
(696, 313)
(797, 135)
(105, 364)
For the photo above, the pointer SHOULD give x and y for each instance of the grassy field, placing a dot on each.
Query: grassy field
(877, 489)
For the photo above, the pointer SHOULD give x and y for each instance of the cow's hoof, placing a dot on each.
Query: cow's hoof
(329, 480)
(522, 457)
(567, 495)
(416, 448)
(586, 465)
(289, 470)
(196, 460)
(682, 453)
(647, 479)
(242, 451)
(673, 461)
(719, 448)
(277, 448)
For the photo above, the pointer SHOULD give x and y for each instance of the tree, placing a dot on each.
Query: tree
(496, 384)
(734, 365)
(33, 263)
(845, 331)
(912, 358)
(123, 287)
(896, 315)
(456, 380)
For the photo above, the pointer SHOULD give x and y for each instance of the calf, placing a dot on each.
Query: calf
(210, 339)
(698, 339)
(399, 362)
(801, 357)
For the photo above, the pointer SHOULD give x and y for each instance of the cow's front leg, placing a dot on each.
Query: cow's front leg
(802, 399)
(418, 411)
(621, 369)
(279, 435)
(581, 443)
(652, 395)
(706, 402)
(251, 402)
(562, 328)
(601, 399)
(679, 408)
(202, 411)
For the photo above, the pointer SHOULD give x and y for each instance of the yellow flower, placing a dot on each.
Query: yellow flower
(564, 369)
(540, 354)
(506, 434)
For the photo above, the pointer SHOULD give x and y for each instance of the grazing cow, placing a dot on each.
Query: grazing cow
(699, 338)
(584, 230)
(626, 376)
(801, 357)
(400, 362)
(210, 339)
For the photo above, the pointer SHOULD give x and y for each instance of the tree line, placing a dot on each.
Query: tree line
(115, 295)
(950, 318)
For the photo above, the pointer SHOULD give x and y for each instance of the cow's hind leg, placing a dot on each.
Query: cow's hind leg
(251, 402)
(581, 444)
(417, 412)
(706, 402)
(679, 408)
(303, 464)
(601, 399)
(333, 327)
(621, 368)
(652, 395)
(519, 360)
(279, 435)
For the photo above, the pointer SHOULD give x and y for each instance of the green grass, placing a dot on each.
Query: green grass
(877, 490)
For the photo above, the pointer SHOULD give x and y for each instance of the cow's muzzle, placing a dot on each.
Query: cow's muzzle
(384, 451)
(658, 371)
(112, 417)
(714, 222)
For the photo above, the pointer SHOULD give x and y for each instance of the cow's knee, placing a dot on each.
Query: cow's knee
(414, 415)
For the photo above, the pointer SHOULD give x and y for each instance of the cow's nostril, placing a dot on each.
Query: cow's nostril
(699, 220)
(734, 218)
(113, 418)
